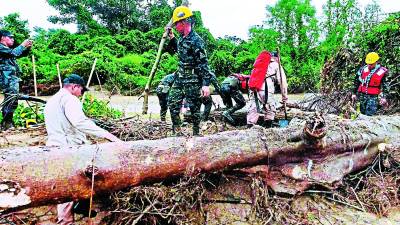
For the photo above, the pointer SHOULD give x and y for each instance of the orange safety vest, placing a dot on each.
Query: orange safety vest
(371, 80)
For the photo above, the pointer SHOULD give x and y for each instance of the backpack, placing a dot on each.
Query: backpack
(260, 67)
(243, 81)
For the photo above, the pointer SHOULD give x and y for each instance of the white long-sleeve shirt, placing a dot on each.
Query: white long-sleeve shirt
(66, 124)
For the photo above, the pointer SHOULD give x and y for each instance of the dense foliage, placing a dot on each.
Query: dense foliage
(124, 36)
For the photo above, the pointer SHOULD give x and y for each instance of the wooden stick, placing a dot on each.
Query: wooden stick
(91, 72)
(146, 91)
(59, 75)
(34, 75)
(90, 77)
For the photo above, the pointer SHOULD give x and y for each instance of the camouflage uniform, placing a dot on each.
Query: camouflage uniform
(193, 73)
(9, 79)
(207, 101)
(162, 94)
(230, 89)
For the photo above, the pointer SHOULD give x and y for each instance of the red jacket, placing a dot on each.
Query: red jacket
(370, 81)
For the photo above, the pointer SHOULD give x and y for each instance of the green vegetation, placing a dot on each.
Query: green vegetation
(124, 35)
(28, 114)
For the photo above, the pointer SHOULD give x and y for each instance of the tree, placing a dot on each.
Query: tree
(18, 27)
(296, 22)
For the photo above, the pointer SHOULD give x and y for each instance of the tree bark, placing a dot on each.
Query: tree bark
(36, 176)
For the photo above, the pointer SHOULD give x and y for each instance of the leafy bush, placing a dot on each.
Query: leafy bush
(99, 109)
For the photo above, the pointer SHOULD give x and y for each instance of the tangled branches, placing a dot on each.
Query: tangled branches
(159, 203)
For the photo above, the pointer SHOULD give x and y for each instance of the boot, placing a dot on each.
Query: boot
(196, 130)
(7, 123)
(162, 118)
(176, 131)
(228, 117)
(250, 125)
(267, 124)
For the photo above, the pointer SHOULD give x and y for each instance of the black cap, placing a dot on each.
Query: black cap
(75, 79)
(274, 54)
(5, 33)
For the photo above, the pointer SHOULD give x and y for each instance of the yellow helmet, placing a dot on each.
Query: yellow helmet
(180, 13)
(371, 58)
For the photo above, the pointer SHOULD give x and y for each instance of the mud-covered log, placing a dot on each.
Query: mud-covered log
(43, 175)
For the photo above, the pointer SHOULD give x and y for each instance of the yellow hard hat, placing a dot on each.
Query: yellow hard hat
(371, 58)
(180, 13)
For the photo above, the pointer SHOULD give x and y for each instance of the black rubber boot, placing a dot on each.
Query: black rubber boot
(7, 123)
(267, 123)
(196, 130)
(250, 125)
(228, 117)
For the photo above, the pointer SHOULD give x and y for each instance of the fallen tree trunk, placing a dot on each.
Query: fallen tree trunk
(42, 175)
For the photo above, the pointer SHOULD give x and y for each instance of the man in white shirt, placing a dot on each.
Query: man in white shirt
(66, 124)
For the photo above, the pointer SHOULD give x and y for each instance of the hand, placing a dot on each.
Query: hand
(353, 97)
(168, 31)
(383, 102)
(205, 91)
(27, 43)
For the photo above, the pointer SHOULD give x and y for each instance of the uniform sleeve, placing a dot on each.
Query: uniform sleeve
(385, 85)
(172, 46)
(214, 82)
(202, 62)
(75, 115)
(9, 52)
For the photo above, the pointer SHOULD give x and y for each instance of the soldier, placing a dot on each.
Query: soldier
(232, 88)
(207, 101)
(370, 84)
(162, 94)
(9, 75)
(193, 75)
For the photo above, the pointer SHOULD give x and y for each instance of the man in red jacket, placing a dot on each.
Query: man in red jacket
(370, 85)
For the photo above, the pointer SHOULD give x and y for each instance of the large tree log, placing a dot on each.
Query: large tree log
(43, 175)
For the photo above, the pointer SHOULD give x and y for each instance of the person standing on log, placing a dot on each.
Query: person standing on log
(9, 75)
(162, 91)
(265, 96)
(207, 101)
(370, 85)
(193, 75)
(232, 87)
(66, 124)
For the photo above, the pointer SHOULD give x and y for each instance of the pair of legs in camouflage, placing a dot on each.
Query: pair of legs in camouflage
(228, 93)
(368, 104)
(10, 86)
(190, 92)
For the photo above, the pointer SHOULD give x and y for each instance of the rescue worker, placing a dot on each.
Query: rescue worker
(232, 87)
(370, 85)
(207, 101)
(193, 74)
(162, 91)
(66, 124)
(275, 74)
(9, 75)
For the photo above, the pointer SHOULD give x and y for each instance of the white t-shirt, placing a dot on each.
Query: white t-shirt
(66, 124)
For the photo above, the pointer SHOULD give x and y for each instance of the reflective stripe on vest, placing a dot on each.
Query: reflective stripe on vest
(371, 80)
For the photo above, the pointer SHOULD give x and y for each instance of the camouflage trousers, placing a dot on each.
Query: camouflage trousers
(9, 84)
(228, 93)
(163, 101)
(207, 102)
(368, 104)
(190, 92)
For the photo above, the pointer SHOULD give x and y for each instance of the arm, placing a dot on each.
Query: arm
(75, 115)
(9, 52)
(172, 46)
(202, 62)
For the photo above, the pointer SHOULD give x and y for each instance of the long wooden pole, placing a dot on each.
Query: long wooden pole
(90, 77)
(34, 75)
(146, 91)
(59, 75)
